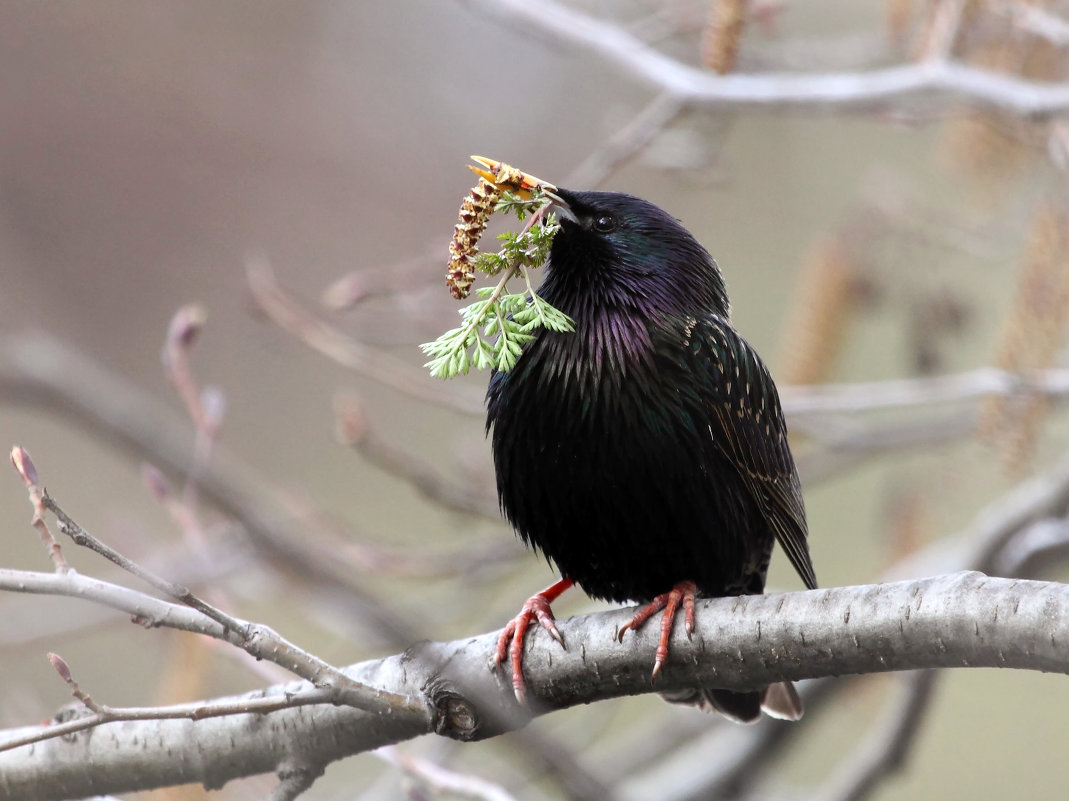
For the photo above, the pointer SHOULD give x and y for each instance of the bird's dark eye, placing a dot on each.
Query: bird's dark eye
(604, 223)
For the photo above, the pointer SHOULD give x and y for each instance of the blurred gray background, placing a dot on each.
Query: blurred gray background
(149, 149)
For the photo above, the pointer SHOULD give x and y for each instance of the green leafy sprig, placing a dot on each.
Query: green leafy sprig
(496, 326)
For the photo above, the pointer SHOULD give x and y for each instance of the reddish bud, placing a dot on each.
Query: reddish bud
(61, 667)
(20, 458)
(186, 325)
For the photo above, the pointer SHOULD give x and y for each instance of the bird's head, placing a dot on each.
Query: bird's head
(619, 250)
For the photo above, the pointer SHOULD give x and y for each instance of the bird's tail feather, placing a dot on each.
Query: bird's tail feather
(781, 701)
(778, 700)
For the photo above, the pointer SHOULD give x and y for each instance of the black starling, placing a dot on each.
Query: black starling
(645, 454)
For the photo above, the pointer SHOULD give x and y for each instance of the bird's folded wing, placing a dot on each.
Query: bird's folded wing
(747, 426)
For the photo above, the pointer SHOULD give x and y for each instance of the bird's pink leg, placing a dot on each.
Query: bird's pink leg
(510, 641)
(683, 593)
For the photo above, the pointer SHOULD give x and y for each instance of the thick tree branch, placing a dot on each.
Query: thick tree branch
(959, 620)
(718, 765)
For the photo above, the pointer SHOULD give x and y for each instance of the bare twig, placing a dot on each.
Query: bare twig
(624, 144)
(23, 626)
(285, 312)
(182, 510)
(942, 32)
(884, 751)
(1032, 548)
(182, 332)
(37, 370)
(205, 407)
(354, 431)
(20, 459)
(64, 671)
(843, 444)
(914, 392)
(1035, 20)
(442, 781)
(724, 761)
(143, 609)
(884, 90)
(99, 714)
(258, 640)
(180, 593)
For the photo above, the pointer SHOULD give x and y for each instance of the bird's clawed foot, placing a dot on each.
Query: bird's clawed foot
(510, 641)
(683, 593)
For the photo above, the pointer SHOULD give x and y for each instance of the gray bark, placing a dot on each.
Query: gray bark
(959, 620)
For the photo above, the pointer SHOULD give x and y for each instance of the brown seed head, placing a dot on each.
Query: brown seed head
(475, 212)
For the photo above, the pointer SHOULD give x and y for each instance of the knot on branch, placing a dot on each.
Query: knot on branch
(468, 705)
(454, 715)
(473, 710)
(295, 776)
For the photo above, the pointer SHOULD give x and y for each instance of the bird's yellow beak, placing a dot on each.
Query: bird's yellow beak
(508, 177)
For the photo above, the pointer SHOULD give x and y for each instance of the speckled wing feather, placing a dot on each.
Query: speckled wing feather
(746, 424)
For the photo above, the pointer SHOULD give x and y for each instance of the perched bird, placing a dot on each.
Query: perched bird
(645, 453)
